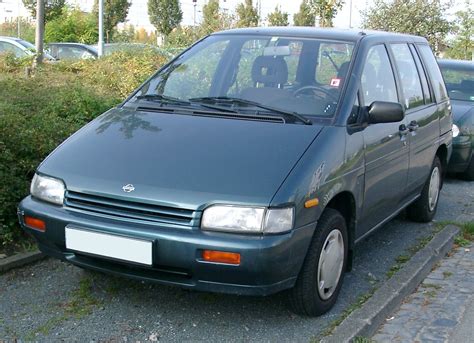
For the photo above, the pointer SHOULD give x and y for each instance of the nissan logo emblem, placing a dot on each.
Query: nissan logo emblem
(128, 188)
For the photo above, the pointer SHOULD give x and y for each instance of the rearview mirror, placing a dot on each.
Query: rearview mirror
(385, 112)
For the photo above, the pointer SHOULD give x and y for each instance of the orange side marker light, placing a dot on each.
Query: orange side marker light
(311, 203)
(35, 223)
(221, 257)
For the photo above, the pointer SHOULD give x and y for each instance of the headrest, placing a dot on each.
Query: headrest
(269, 70)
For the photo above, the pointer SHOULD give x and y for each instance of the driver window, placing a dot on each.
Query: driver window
(377, 81)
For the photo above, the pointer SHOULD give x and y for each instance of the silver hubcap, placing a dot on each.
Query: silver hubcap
(330, 264)
(433, 191)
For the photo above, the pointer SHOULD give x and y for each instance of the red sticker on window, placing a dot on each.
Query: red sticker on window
(335, 82)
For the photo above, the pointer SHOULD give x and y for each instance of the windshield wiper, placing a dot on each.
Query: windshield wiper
(176, 101)
(162, 98)
(231, 100)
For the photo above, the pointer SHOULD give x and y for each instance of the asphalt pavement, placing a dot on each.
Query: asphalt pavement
(52, 300)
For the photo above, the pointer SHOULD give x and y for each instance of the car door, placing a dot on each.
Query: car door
(386, 144)
(421, 114)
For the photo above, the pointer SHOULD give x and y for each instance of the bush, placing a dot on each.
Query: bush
(39, 112)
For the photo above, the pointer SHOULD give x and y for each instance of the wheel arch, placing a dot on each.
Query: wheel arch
(345, 203)
(442, 154)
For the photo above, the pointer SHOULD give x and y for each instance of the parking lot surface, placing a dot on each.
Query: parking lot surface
(52, 300)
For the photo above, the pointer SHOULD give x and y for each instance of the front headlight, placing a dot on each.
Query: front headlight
(247, 219)
(455, 130)
(48, 189)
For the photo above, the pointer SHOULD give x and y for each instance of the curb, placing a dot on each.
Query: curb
(20, 260)
(365, 321)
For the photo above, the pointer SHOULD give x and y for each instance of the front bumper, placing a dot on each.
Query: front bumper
(268, 265)
(462, 154)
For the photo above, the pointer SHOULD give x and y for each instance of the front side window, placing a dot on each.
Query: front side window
(411, 85)
(283, 73)
(377, 81)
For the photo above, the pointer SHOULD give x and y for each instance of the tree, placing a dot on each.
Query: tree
(462, 46)
(72, 25)
(247, 14)
(325, 10)
(304, 17)
(278, 18)
(213, 18)
(52, 10)
(115, 11)
(165, 15)
(419, 17)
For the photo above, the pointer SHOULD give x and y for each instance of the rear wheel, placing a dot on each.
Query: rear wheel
(424, 208)
(320, 278)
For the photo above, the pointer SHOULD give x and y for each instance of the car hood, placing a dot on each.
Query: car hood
(179, 160)
(462, 110)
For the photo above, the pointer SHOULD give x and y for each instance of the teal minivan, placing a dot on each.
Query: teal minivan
(252, 163)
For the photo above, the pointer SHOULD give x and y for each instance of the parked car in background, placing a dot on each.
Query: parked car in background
(19, 47)
(459, 78)
(251, 164)
(110, 48)
(72, 51)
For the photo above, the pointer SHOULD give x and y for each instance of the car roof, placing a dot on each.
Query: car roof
(311, 32)
(64, 43)
(10, 38)
(455, 64)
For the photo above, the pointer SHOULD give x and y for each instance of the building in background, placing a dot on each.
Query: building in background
(12, 10)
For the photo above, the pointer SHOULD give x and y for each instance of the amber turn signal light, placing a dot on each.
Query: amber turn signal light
(221, 257)
(311, 203)
(35, 223)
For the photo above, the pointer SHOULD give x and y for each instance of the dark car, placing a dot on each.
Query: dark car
(459, 78)
(72, 51)
(251, 164)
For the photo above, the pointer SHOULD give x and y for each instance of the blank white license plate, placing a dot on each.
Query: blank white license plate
(122, 248)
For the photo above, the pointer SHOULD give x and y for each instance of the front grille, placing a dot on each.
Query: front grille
(129, 209)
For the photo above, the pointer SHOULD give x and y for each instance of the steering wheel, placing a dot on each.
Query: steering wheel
(315, 89)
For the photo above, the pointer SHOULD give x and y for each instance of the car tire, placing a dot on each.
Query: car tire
(329, 243)
(469, 173)
(424, 208)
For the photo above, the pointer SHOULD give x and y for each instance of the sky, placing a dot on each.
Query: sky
(138, 15)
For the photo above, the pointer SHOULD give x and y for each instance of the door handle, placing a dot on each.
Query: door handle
(413, 126)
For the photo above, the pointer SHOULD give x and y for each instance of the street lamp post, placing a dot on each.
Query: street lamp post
(100, 45)
(39, 31)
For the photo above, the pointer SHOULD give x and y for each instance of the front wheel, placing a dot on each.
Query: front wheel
(424, 208)
(320, 278)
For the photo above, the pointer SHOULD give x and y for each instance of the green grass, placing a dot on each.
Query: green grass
(466, 236)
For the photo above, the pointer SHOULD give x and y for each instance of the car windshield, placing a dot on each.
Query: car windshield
(459, 81)
(291, 74)
(32, 48)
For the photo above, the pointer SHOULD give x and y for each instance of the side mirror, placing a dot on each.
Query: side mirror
(385, 112)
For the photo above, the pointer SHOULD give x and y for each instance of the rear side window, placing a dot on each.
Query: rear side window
(433, 70)
(410, 80)
(377, 81)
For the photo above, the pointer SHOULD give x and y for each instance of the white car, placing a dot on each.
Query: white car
(19, 47)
